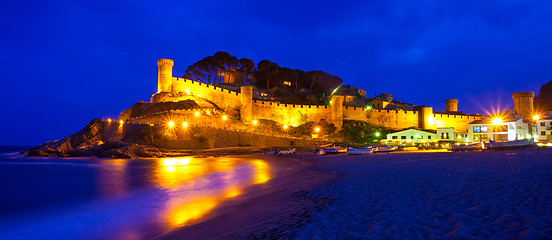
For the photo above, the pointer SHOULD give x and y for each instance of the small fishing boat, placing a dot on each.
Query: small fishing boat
(286, 152)
(468, 147)
(335, 149)
(511, 144)
(386, 149)
(360, 151)
(319, 151)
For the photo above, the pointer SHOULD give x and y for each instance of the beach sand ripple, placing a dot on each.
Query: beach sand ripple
(476, 195)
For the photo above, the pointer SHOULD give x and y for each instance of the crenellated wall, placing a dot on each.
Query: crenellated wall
(458, 122)
(297, 114)
(221, 97)
(285, 113)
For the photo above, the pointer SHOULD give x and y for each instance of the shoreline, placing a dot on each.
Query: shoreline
(269, 211)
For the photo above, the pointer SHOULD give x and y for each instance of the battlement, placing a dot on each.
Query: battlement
(518, 95)
(251, 109)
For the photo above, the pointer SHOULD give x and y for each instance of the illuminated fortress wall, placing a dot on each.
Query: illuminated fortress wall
(284, 113)
(222, 97)
(297, 114)
(459, 122)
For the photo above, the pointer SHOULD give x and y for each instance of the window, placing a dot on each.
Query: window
(483, 128)
(543, 124)
(518, 127)
(428, 137)
(543, 133)
(394, 137)
(403, 137)
(444, 136)
(477, 129)
(411, 137)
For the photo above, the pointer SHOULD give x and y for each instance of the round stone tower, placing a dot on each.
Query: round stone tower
(246, 99)
(523, 103)
(337, 111)
(425, 118)
(452, 105)
(164, 77)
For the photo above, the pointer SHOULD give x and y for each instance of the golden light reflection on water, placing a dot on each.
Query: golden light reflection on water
(262, 173)
(184, 213)
(232, 177)
(112, 181)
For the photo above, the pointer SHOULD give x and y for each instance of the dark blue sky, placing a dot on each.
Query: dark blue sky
(65, 63)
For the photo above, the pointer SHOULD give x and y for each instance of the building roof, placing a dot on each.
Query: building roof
(418, 130)
(489, 121)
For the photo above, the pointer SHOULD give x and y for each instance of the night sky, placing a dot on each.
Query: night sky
(65, 63)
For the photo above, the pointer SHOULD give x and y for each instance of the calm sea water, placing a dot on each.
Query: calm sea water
(51, 198)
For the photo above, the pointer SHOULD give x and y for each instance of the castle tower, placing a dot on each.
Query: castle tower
(337, 111)
(425, 117)
(452, 105)
(164, 75)
(523, 103)
(246, 100)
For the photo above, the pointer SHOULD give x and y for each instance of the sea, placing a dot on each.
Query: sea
(91, 198)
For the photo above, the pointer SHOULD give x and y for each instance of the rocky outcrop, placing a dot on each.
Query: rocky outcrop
(116, 149)
(88, 143)
(89, 134)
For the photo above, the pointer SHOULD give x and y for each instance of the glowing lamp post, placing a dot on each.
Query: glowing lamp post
(184, 124)
(121, 122)
(496, 122)
(254, 122)
(171, 124)
(317, 129)
(224, 117)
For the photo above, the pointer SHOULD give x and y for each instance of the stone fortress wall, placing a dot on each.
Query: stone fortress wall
(335, 113)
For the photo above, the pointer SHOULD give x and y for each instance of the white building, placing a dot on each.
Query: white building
(544, 128)
(507, 130)
(448, 134)
(412, 136)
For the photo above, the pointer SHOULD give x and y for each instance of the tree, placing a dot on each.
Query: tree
(266, 71)
(247, 68)
(205, 70)
(224, 62)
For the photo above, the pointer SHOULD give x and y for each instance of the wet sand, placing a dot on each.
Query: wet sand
(481, 195)
(270, 210)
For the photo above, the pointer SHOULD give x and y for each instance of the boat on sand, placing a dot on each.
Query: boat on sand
(511, 144)
(468, 147)
(386, 149)
(360, 151)
(335, 149)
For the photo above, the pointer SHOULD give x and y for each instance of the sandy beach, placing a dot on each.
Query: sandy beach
(480, 195)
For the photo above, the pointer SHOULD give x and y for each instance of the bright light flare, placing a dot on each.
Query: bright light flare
(171, 124)
(224, 117)
(109, 120)
(536, 117)
(378, 134)
(255, 122)
(285, 126)
(496, 121)
(184, 124)
(317, 129)
(121, 122)
(197, 114)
